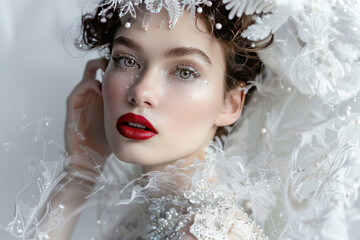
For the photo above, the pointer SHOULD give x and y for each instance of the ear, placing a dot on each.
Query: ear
(232, 108)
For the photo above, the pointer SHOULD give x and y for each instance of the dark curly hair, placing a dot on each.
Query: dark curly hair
(242, 61)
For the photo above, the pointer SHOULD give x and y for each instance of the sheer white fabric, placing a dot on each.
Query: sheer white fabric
(292, 160)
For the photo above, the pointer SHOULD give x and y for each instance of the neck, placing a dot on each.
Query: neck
(200, 155)
(188, 161)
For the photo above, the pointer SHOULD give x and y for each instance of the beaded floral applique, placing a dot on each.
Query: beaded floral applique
(203, 212)
(223, 221)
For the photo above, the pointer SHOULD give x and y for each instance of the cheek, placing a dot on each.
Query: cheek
(114, 87)
(199, 107)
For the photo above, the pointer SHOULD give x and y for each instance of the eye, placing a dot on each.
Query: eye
(127, 62)
(186, 72)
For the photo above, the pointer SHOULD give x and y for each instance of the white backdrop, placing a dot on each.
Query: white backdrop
(39, 66)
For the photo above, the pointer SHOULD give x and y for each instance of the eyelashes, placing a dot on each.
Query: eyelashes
(182, 72)
(126, 61)
(186, 72)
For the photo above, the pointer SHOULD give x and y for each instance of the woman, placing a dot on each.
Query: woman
(164, 98)
(166, 94)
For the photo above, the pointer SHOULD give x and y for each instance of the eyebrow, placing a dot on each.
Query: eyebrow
(183, 51)
(128, 43)
(174, 52)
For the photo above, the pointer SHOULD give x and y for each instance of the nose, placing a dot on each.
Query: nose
(144, 91)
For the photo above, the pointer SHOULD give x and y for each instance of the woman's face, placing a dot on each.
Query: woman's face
(174, 79)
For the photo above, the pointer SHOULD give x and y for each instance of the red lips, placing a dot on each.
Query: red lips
(135, 127)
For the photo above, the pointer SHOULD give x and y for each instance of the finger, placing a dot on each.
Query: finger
(84, 88)
(92, 66)
(90, 84)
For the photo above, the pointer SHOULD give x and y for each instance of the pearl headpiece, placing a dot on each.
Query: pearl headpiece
(174, 7)
(310, 49)
(235, 7)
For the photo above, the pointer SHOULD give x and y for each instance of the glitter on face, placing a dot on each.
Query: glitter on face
(161, 75)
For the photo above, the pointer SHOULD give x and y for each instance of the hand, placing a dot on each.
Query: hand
(85, 114)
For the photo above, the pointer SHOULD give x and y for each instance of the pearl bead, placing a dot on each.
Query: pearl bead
(347, 113)
(103, 20)
(209, 3)
(199, 10)
(109, 15)
(218, 26)
(248, 206)
(79, 45)
(253, 45)
(128, 25)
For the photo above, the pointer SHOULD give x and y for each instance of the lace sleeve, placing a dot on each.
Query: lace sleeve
(224, 223)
